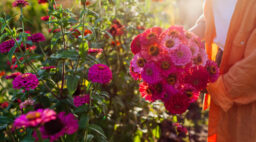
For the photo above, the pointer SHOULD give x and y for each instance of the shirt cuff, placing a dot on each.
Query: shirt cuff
(219, 94)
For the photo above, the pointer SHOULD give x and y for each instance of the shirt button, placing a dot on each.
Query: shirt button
(242, 42)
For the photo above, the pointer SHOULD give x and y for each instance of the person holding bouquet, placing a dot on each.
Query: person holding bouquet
(231, 24)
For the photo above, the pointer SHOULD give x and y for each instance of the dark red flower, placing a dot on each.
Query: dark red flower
(19, 3)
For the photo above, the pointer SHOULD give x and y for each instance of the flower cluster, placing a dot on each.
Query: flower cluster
(100, 73)
(27, 81)
(173, 66)
(117, 28)
(81, 99)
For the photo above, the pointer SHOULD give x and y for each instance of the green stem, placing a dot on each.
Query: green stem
(42, 50)
(38, 133)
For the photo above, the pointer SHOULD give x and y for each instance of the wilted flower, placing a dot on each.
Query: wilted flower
(61, 125)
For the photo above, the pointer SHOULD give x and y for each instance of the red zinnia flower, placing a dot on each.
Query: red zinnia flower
(19, 3)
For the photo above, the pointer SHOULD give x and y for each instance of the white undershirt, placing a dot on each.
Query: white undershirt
(223, 11)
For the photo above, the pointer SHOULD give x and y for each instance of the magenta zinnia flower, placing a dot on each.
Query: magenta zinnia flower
(138, 63)
(151, 73)
(191, 92)
(177, 104)
(38, 37)
(81, 99)
(165, 64)
(198, 77)
(136, 45)
(213, 70)
(27, 81)
(34, 118)
(100, 73)
(61, 125)
(181, 56)
(6, 46)
(19, 3)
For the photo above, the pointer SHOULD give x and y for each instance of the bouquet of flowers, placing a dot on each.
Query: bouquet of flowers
(173, 66)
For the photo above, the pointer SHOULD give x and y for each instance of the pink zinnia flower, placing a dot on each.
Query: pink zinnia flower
(100, 73)
(13, 75)
(172, 78)
(201, 58)
(81, 99)
(28, 102)
(191, 92)
(136, 45)
(151, 73)
(198, 77)
(48, 67)
(34, 118)
(138, 63)
(135, 76)
(165, 64)
(38, 37)
(27, 81)
(42, 1)
(58, 127)
(145, 91)
(181, 56)
(177, 104)
(6, 46)
(150, 35)
(19, 3)
(213, 70)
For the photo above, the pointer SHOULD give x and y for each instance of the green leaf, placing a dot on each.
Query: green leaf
(89, 138)
(11, 52)
(28, 139)
(97, 129)
(83, 122)
(5, 120)
(66, 54)
(72, 82)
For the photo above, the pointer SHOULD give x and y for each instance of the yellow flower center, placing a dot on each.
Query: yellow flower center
(165, 65)
(198, 60)
(141, 62)
(171, 79)
(151, 35)
(169, 43)
(173, 33)
(33, 115)
(189, 93)
(153, 50)
(179, 54)
(101, 67)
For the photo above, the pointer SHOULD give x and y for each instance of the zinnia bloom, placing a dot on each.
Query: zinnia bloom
(4, 105)
(165, 64)
(213, 70)
(13, 75)
(151, 52)
(38, 37)
(191, 92)
(61, 125)
(135, 45)
(81, 99)
(116, 28)
(198, 77)
(138, 63)
(27, 81)
(150, 35)
(151, 73)
(34, 118)
(145, 91)
(100, 73)
(45, 18)
(19, 3)
(6, 46)
(181, 56)
(94, 50)
(201, 58)
(177, 104)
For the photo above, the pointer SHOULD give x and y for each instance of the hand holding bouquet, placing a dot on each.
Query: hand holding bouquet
(173, 66)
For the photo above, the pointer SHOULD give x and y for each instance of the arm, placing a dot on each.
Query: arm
(238, 85)
(199, 27)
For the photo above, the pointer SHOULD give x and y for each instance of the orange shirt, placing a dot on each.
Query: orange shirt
(232, 116)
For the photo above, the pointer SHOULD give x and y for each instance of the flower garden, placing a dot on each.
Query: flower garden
(101, 70)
